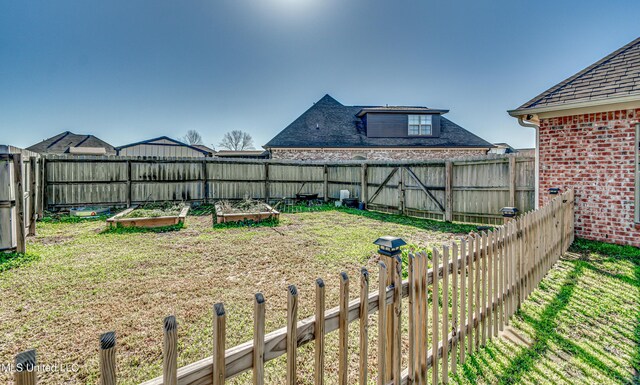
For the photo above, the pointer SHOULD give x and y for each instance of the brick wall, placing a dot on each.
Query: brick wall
(594, 154)
(373, 154)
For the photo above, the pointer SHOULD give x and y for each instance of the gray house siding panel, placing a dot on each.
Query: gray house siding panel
(394, 125)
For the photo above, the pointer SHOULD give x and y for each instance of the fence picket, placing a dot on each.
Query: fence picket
(108, 358)
(170, 351)
(454, 307)
(25, 373)
(445, 314)
(463, 302)
(364, 325)
(219, 343)
(435, 320)
(319, 332)
(258, 339)
(382, 323)
(470, 294)
(343, 334)
(413, 341)
(292, 334)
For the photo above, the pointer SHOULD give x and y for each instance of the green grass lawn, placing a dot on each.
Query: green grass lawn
(78, 281)
(581, 326)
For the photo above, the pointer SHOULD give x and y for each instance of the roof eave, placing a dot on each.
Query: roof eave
(568, 106)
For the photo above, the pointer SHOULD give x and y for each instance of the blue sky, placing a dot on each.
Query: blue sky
(131, 70)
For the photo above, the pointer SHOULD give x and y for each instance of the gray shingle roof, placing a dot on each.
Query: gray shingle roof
(60, 144)
(330, 124)
(616, 75)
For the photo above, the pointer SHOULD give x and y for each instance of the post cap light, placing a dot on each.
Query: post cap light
(554, 191)
(509, 212)
(389, 245)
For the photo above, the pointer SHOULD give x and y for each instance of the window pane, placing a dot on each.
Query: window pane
(425, 119)
(426, 130)
(414, 130)
(414, 119)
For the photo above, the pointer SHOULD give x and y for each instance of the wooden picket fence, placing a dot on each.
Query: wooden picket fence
(473, 287)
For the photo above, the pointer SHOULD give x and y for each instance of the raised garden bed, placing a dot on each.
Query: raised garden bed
(149, 217)
(244, 211)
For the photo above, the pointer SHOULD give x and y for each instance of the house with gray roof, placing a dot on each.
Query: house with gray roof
(68, 143)
(330, 130)
(588, 139)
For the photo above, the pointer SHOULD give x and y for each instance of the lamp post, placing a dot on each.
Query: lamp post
(389, 250)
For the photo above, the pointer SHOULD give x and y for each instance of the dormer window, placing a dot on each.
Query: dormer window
(420, 125)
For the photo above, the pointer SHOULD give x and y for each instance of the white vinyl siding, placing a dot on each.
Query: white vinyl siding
(420, 125)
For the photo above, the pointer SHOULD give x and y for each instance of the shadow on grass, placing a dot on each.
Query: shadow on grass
(595, 257)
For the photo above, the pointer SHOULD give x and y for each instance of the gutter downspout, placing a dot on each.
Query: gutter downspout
(536, 127)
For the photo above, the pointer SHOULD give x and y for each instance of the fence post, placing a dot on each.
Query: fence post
(170, 352)
(25, 373)
(205, 182)
(389, 250)
(512, 181)
(33, 215)
(266, 182)
(382, 324)
(319, 332)
(343, 330)
(108, 358)
(128, 183)
(448, 186)
(364, 325)
(325, 185)
(43, 187)
(292, 335)
(19, 197)
(364, 188)
(401, 193)
(219, 343)
(258, 339)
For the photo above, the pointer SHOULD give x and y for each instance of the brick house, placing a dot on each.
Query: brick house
(332, 131)
(588, 138)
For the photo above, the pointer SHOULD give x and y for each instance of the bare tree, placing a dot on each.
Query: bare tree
(237, 140)
(192, 137)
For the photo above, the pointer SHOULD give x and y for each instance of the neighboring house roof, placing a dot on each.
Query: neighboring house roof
(329, 124)
(615, 76)
(174, 141)
(61, 144)
(242, 154)
(204, 148)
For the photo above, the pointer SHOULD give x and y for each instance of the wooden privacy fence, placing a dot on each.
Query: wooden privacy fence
(458, 298)
(21, 196)
(471, 190)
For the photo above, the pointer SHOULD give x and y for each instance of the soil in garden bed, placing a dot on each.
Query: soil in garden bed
(244, 206)
(154, 210)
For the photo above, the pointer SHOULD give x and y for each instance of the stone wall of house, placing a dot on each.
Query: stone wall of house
(595, 155)
(373, 154)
